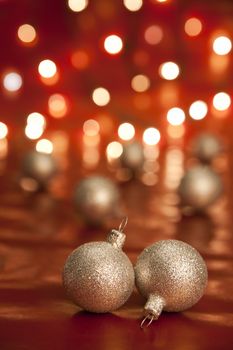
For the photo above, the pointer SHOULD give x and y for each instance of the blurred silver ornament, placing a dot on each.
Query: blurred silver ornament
(39, 166)
(206, 147)
(97, 199)
(132, 156)
(200, 187)
(172, 276)
(98, 276)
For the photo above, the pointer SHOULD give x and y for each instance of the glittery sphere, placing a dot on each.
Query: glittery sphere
(96, 199)
(98, 276)
(200, 187)
(39, 166)
(206, 147)
(172, 275)
(132, 156)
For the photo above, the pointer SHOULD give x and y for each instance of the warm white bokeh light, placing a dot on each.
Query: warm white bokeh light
(101, 96)
(26, 33)
(140, 83)
(193, 26)
(44, 146)
(133, 5)
(169, 70)
(153, 35)
(198, 110)
(36, 119)
(222, 45)
(47, 68)
(57, 106)
(12, 81)
(33, 132)
(175, 116)
(151, 136)
(77, 5)
(114, 150)
(91, 127)
(221, 101)
(113, 44)
(3, 130)
(126, 131)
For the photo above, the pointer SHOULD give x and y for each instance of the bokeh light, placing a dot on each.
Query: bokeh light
(114, 150)
(222, 45)
(12, 81)
(151, 136)
(57, 106)
(198, 110)
(36, 119)
(26, 33)
(80, 59)
(47, 68)
(113, 44)
(175, 116)
(91, 127)
(133, 5)
(169, 70)
(126, 131)
(101, 96)
(33, 132)
(44, 146)
(140, 83)
(221, 101)
(3, 130)
(77, 5)
(153, 35)
(193, 26)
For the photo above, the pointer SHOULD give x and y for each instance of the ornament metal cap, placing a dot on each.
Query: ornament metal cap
(153, 308)
(117, 237)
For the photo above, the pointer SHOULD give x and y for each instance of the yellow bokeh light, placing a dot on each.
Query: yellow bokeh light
(33, 132)
(114, 150)
(169, 70)
(113, 44)
(140, 83)
(198, 110)
(221, 101)
(126, 131)
(222, 45)
(151, 136)
(26, 33)
(133, 5)
(153, 35)
(77, 5)
(193, 26)
(44, 146)
(3, 130)
(57, 106)
(36, 119)
(12, 81)
(91, 127)
(175, 116)
(47, 68)
(101, 96)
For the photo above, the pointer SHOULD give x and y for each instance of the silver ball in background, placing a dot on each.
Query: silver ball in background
(39, 166)
(98, 276)
(132, 156)
(200, 187)
(206, 147)
(172, 275)
(97, 198)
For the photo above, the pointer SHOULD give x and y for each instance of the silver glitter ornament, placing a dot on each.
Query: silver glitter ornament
(132, 156)
(172, 276)
(98, 276)
(96, 199)
(39, 166)
(200, 187)
(206, 147)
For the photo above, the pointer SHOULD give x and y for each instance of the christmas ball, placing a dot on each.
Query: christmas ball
(98, 276)
(172, 276)
(206, 147)
(39, 166)
(132, 156)
(200, 187)
(96, 199)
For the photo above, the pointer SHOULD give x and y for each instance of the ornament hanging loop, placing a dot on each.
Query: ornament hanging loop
(123, 224)
(117, 237)
(147, 317)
